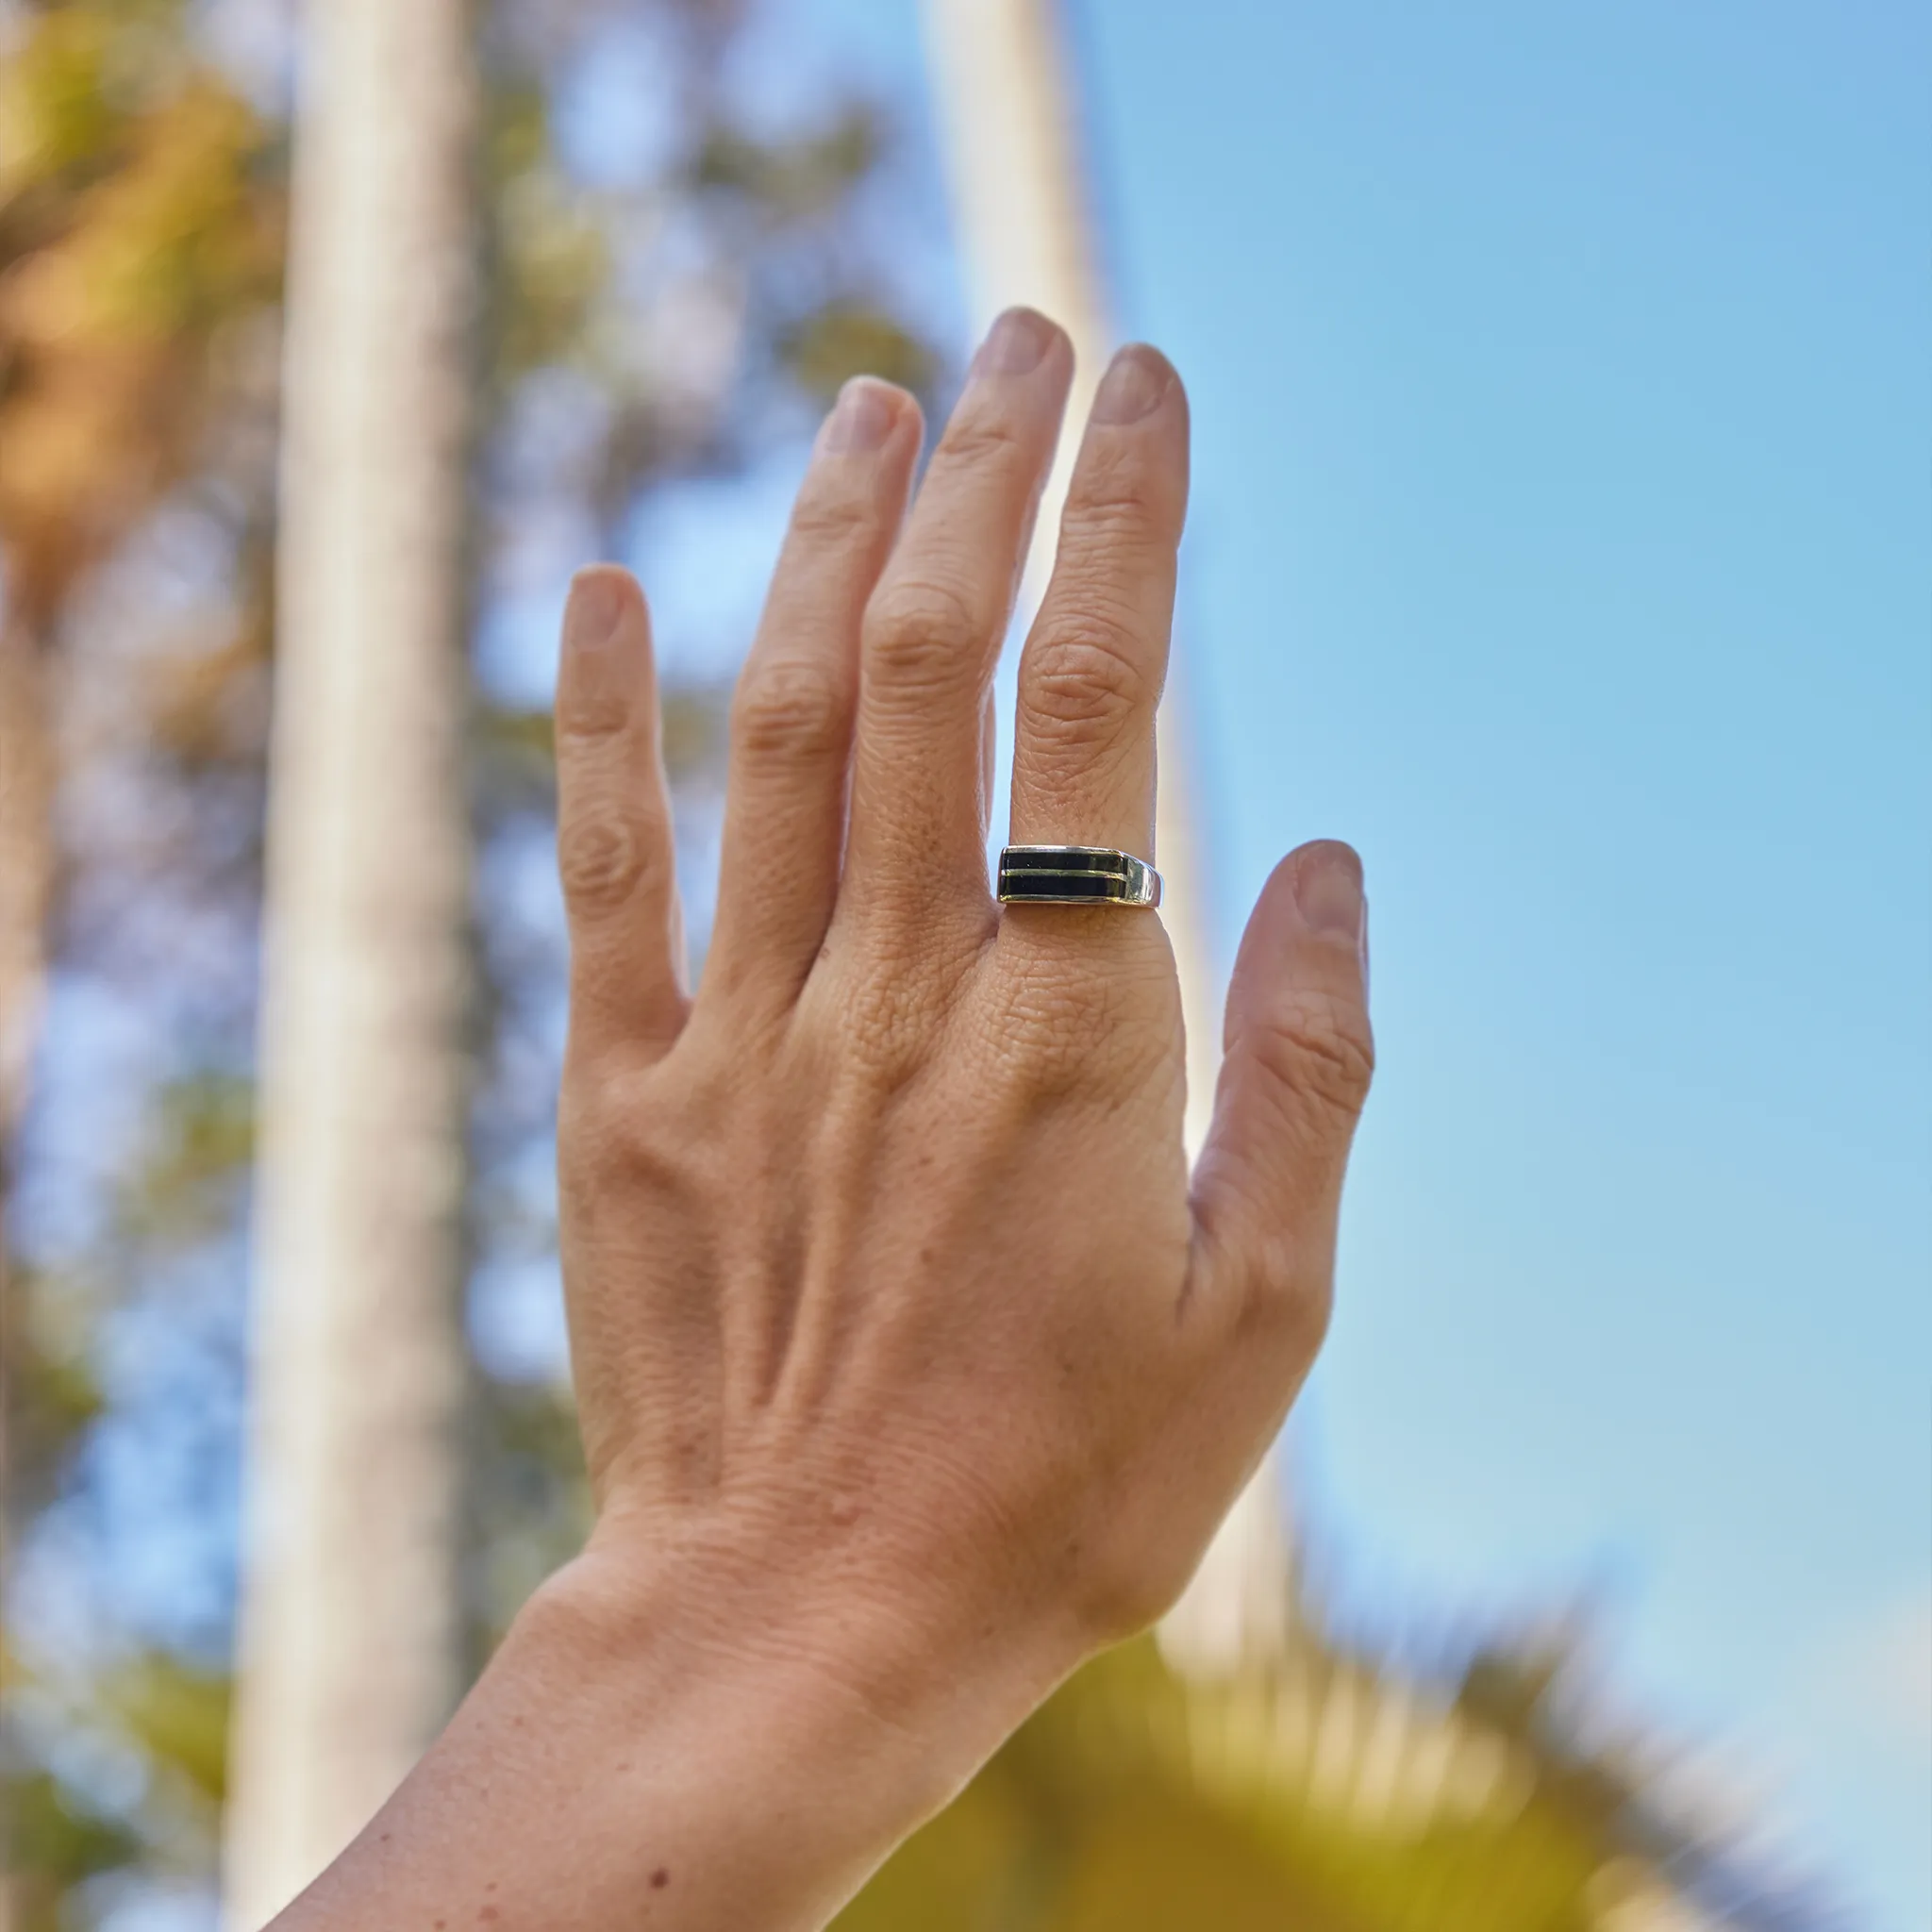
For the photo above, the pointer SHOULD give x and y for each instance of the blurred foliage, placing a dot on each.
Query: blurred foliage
(843, 339)
(54, 1846)
(180, 1188)
(1330, 1788)
(513, 756)
(178, 1717)
(55, 1392)
(140, 225)
(184, 1190)
(141, 244)
(791, 181)
(150, 1711)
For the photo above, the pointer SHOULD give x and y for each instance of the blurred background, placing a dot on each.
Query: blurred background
(1559, 537)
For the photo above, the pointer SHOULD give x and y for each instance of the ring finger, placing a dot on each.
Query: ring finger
(1095, 659)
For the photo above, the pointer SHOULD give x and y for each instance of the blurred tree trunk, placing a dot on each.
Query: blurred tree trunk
(347, 1653)
(1008, 114)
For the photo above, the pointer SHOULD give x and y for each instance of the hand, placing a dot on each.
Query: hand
(911, 1367)
(888, 1294)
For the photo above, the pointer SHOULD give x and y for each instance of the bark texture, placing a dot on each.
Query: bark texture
(348, 1630)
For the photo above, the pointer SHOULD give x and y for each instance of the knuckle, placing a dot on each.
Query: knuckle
(976, 438)
(608, 856)
(921, 632)
(589, 719)
(1304, 1310)
(1117, 505)
(1053, 1030)
(831, 518)
(1060, 1029)
(624, 1130)
(1083, 685)
(903, 980)
(597, 1114)
(1287, 1304)
(1124, 1590)
(791, 708)
(1319, 1049)
(886, 1034)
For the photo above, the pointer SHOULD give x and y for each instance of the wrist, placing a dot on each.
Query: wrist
(832, 1721)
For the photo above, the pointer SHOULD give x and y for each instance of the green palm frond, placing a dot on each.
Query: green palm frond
(1324, 1789)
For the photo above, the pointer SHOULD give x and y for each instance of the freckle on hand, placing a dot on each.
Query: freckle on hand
(659, 1879)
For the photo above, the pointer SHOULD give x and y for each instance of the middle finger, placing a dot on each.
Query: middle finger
(932, 631)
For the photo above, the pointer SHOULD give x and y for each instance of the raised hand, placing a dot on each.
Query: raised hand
(912, 1364)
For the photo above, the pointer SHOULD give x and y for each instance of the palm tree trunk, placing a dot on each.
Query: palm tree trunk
(1001, 77)
(347, 1641)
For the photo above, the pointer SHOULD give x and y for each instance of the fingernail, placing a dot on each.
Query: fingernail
(1329, 889)
(596, 603)
(1134, 384)
(863, 419)
(1016, 343)
(593, 686)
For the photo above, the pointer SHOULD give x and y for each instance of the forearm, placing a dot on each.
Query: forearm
(639, 1751)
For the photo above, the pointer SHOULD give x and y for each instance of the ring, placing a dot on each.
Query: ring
(1075, 875)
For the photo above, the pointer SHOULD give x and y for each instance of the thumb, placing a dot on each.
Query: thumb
(1297, 1056)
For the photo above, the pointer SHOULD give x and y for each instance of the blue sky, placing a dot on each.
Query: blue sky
(1563, 414)
(1563, 411)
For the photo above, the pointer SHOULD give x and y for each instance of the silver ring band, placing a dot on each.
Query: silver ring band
(1075, 875)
